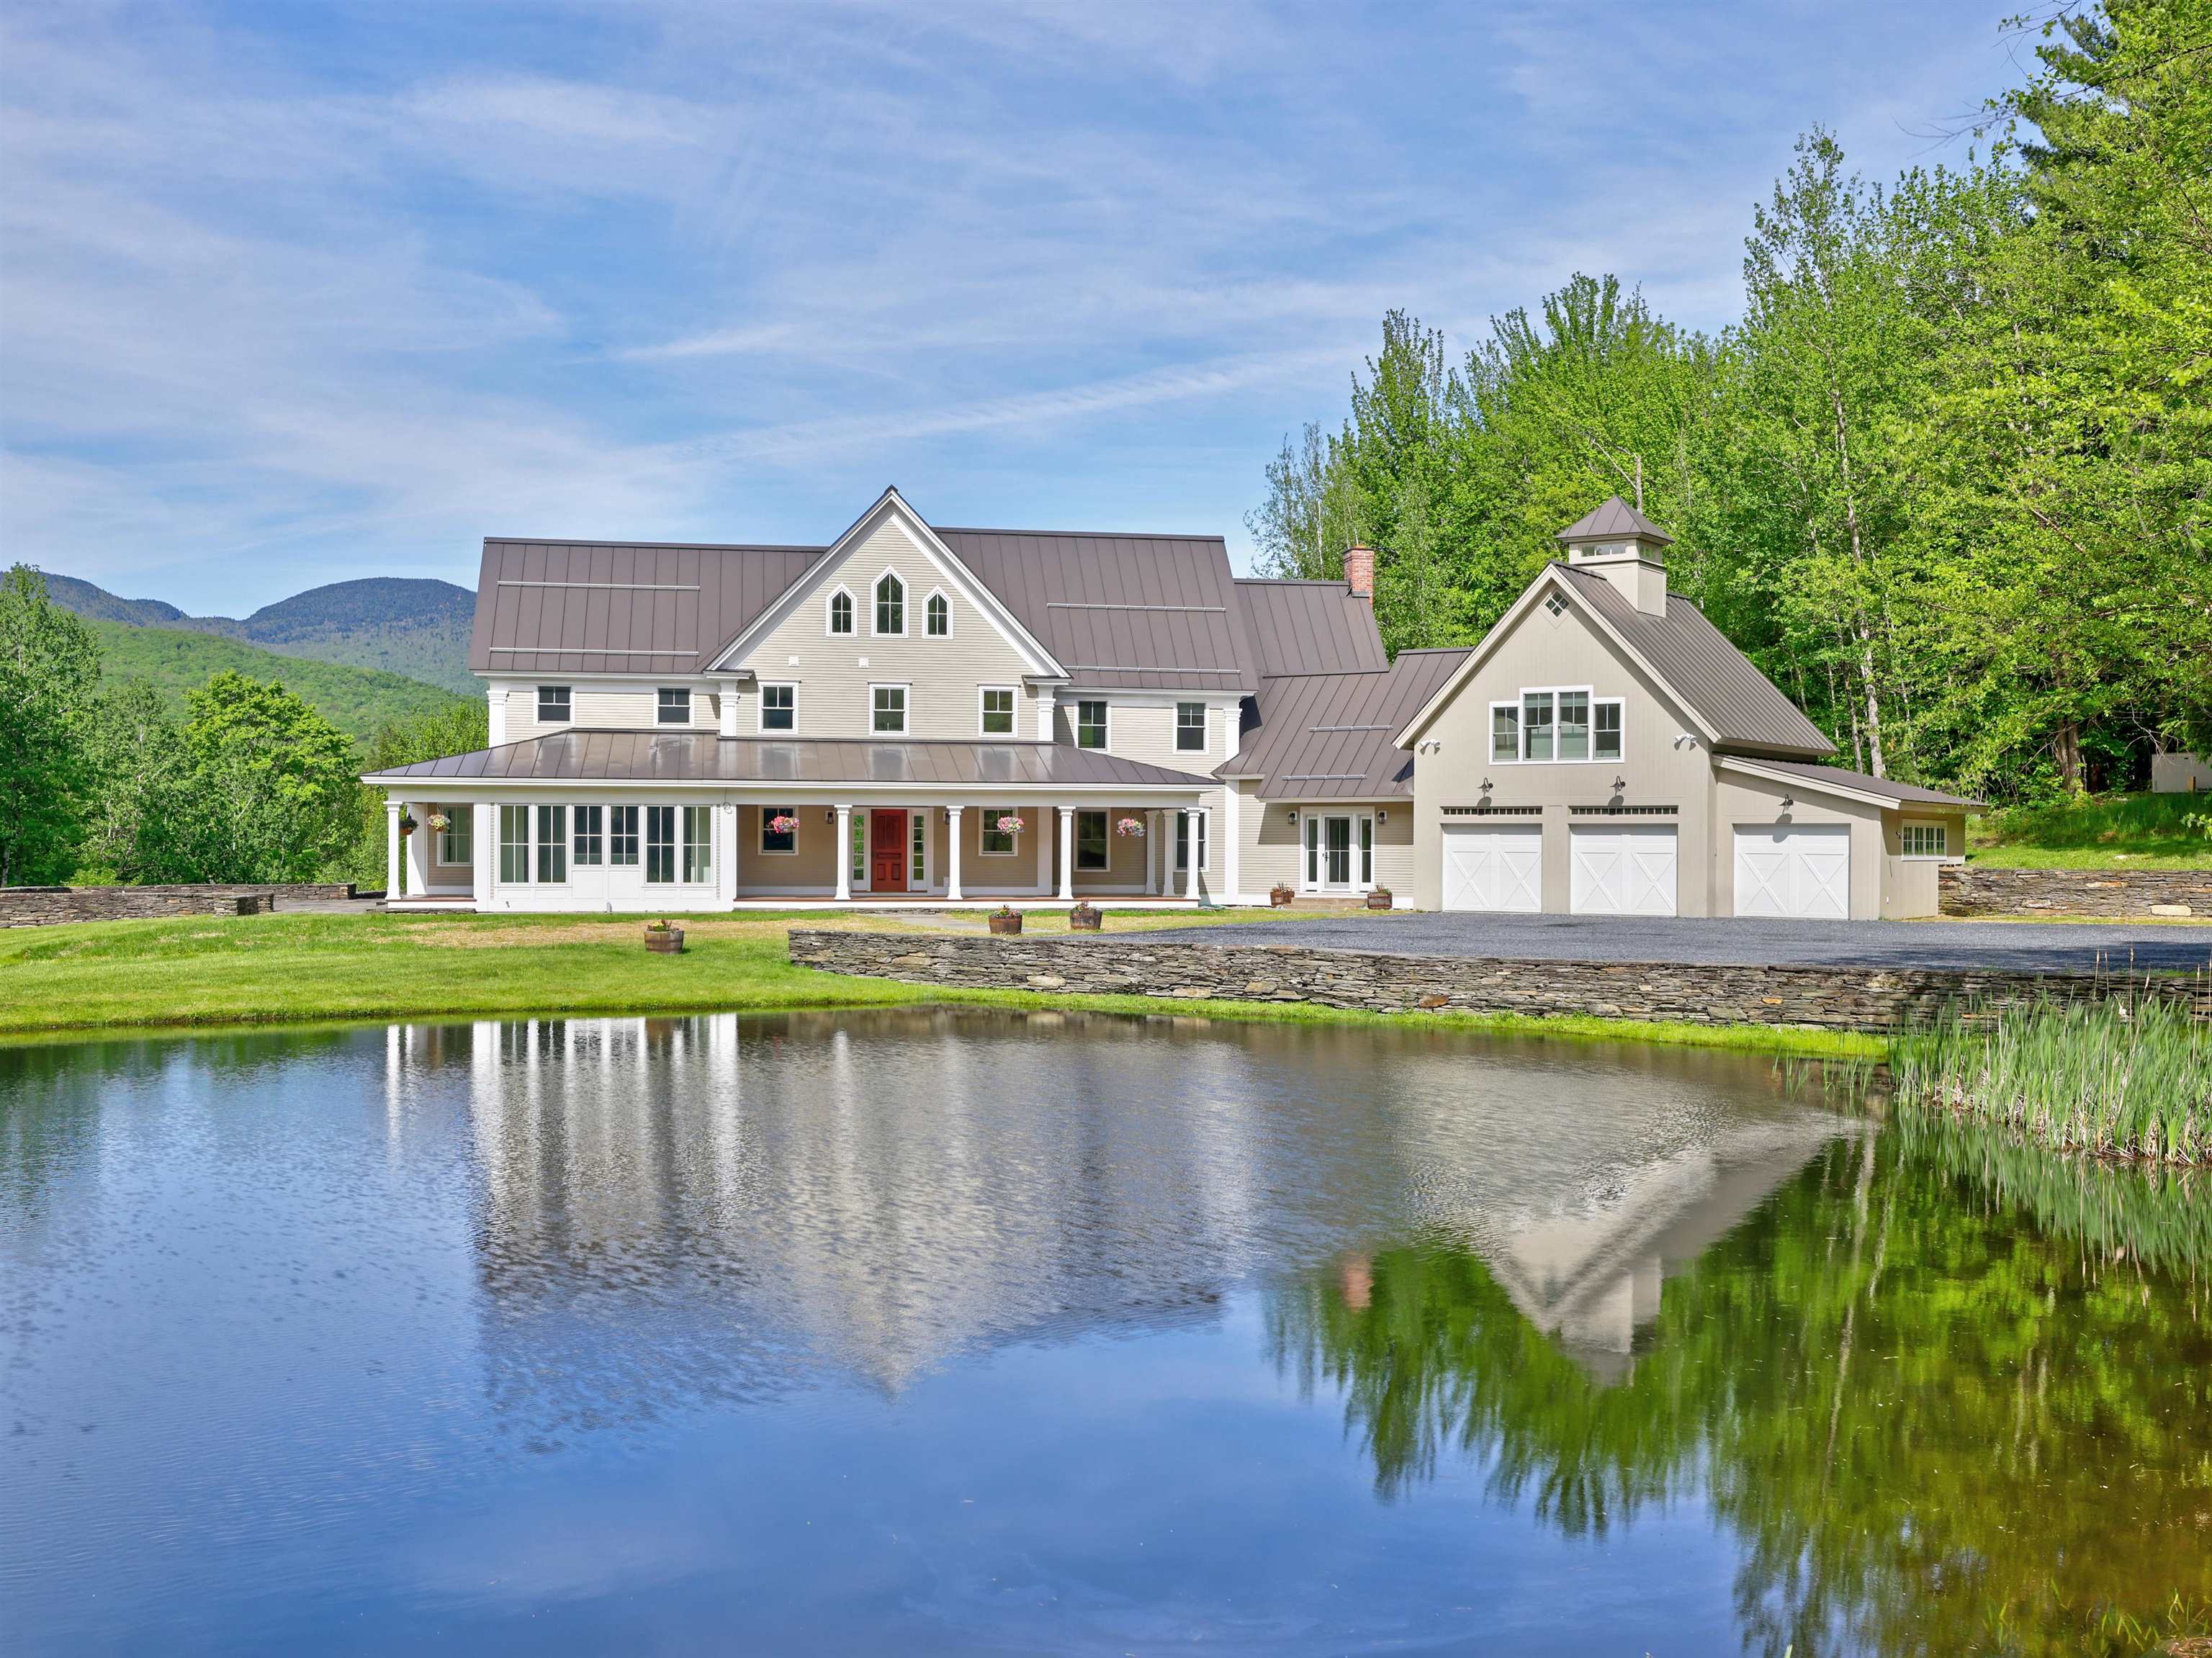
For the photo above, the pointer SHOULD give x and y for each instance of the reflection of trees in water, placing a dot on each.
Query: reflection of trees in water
(1933, 1427)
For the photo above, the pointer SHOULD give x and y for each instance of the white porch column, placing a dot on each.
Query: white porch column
(422, 846)
(394, 887)
(844, 853)
(725, 854)
(1196, 820)
(952, 856)
(1067, 854)
(484, 842)
(1154, 885)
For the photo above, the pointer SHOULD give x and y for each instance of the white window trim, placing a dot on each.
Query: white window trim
(919, 818)
(1075, 722)
(1518, 704)
(1075, 841)
(990, 815)
(1310, 821)
(929, 598)
(828, 601)
(1013, 731)
(691, 705)
(905, 689)
(538, 706)
(1204, 725)
(1946, 856)
(760, 708)
(905, 606)
(539, 843)
(798, 816)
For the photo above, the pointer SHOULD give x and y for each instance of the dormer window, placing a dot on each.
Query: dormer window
(940, 617)
(891, 605)
(840, 612)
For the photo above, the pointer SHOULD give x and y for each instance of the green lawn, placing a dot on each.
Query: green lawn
(319, 968)
(2112, 831)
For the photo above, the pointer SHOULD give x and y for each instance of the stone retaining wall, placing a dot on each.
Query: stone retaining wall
(1834, 999)
(1972, 889)
(50, 906)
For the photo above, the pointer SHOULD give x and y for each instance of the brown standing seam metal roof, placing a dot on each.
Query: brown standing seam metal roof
(1904, 793)
(1310, 628)
(1120, 611)
(628, 607)
(649, 756)
(1695, 659)
(1326, 736)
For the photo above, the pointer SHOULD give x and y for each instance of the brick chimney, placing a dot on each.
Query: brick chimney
(1359, 571)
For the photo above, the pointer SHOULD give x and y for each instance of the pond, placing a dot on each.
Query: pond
(933, 1333)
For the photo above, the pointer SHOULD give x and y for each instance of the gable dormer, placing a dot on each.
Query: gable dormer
(1625, 547)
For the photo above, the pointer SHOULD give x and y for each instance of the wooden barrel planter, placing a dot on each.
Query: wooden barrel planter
(1281, 896)
(665, 940)
(1085, 918)
(1379, 898)
(1005, 921)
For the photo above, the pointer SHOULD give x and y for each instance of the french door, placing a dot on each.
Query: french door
(1340, 852)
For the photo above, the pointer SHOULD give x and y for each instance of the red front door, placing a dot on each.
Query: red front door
(887, 851)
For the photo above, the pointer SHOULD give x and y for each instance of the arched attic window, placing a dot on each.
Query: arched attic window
(840, 612)
(891, 605)
(941, 615)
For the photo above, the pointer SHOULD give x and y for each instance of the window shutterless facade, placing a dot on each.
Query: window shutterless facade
(675, 706)
(998, 715)
(1190, 727)
(622, 836)
(1607, 736)
(514, 843)
(1090, 724)
(699, 844)
(1925, 839)
(940, 617)
(889, 705)
(779, 840)
(840, 612)
(554, 704)
(890, 605)
(457, 840)
(1504, 731)
(1563, 725)
(587, 845)
(779, 708)
(660, 846)
(918, 850)
(993, 841)
(1092, 850)
(1182, 841)
(553, 844)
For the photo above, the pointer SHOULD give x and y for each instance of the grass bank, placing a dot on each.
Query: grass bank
(2111, 831)
(2112, 1078)
(204, 971)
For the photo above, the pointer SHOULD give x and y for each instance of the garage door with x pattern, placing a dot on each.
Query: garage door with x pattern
(1798, 870)
(1498, 867)
(1624, 870)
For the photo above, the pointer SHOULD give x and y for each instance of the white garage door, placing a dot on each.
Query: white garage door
(1490, 866)
(1624, 870)
(1800, 870)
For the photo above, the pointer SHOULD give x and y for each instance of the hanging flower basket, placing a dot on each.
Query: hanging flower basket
(406, 824)
(438, 821)
(783, 823)
(1010, 824)
(1005, 919)
(1131, 826)
(1085, 917)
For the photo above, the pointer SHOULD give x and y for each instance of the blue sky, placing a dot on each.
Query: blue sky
(291, 294)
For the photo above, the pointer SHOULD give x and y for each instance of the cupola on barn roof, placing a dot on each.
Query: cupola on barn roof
(1616, 519)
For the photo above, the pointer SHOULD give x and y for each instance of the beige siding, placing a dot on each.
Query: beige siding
(812, 864)
(1755, 802)
(1273, 846)
(943, 676)
(1146, 732)
(604, 705)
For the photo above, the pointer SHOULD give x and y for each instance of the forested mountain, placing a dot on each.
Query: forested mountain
(414, 627)
(1949, 478)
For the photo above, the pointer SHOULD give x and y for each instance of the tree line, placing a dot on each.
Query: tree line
(1947, 479)
(100, 781)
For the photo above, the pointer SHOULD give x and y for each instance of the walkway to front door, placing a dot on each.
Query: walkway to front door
(887, 852)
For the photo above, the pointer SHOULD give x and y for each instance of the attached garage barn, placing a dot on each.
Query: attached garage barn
(1494, 867)
(1794, 870)
(1623, 869)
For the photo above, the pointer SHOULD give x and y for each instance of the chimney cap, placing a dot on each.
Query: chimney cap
(1615, 520)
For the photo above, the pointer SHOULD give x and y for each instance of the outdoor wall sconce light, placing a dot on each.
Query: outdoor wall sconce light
(1619, 783)
(1294, 814)
(1788, 801)
(1383, 816)
(829, 814)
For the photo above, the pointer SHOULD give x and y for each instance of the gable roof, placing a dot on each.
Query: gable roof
(1615, 518)
(1310, 628)
(1329, 736)
(1733, 705)
(1120, 611)
(1852, 785)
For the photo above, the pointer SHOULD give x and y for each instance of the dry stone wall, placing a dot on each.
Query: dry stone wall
(1971, 890)
(1833, 998)
(50, 906)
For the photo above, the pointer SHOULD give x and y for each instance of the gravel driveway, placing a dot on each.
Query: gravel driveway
(2029, 946)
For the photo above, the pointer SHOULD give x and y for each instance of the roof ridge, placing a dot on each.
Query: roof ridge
(1102, 535)
(1289, 581)
(666, 546)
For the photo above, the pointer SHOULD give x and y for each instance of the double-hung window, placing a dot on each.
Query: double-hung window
(698, 844)
(1557, 724)
(998, 711)
(891, 605)
(779, 708)
(889, 709)
(779, 829)
(1574, 725)
(1536, 725)
(457, 840)
(660, 845)
(1504, 731)
(995, 840)
(514, 843)
(588, 847)
(1190, 727)
(554, 705)
(1607, 733)
(622, 836)
(1090, 724)
(1091, 848)
(675, 707)
(553, 843)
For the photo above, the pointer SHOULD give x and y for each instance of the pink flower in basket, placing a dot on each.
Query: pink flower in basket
(783, 823)
(1130, 826)
(1009, 824)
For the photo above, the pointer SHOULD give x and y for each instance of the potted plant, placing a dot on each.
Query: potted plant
(1010, 824)
(1005, 919)
(406, 823)
(1378, 898)
(1084, 917)
(438, 822)
(1133, 827)
(662, 939)
(1281, 895)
